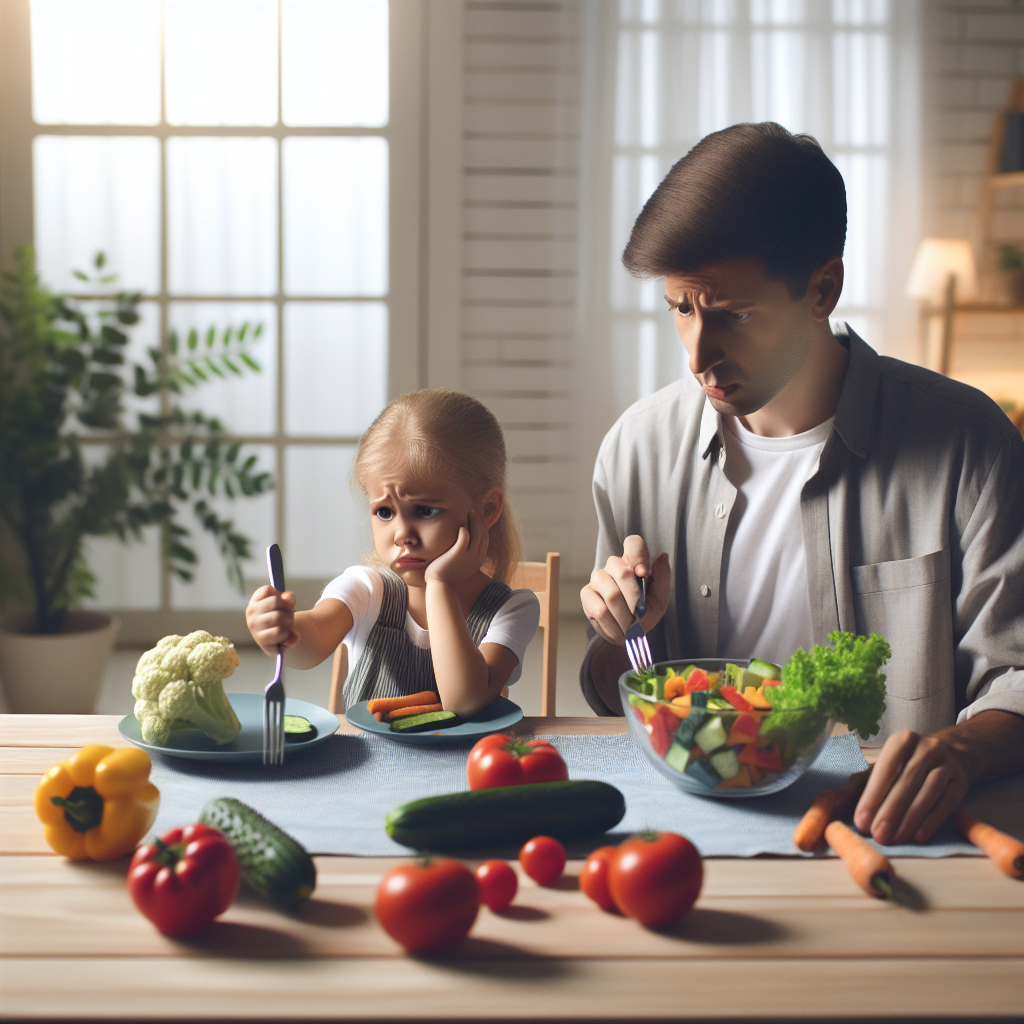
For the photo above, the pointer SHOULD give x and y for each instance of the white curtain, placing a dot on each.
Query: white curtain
(659, 75)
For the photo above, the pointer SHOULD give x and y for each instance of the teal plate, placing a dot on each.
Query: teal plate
(499, 715)
(248, 744)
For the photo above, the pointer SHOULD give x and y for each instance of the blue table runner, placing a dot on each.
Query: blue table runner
(334, 798)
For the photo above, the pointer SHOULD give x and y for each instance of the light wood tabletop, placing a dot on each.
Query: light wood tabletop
(769, 937)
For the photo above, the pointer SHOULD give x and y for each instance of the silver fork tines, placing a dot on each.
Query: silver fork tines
(637, 648)
(273, 717)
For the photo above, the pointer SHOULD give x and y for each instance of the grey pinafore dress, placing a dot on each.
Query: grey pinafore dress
(391, 665)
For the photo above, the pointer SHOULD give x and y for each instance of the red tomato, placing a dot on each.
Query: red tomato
(594, 877)
(498, 883)
(184, 879)
(655, 877)
(503, 760)
(543, 859)
(428, 905)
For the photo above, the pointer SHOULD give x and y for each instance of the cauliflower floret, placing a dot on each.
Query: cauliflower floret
(178, 685)
(212, 661)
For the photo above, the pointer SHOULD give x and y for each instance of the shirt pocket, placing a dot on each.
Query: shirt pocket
(908, 602)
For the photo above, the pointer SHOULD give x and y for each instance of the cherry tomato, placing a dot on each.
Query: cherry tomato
(428, 905)
(503, 760)
(594, 877)
(498, 883)
(543, 859)
(184, 879)
(655, 877)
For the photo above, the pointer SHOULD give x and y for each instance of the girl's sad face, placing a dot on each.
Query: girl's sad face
(416, 521)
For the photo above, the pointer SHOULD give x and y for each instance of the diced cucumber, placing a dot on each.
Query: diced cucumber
(699, 699)
(725, 763)
(764, 669)
(703, 773)
(711, 735)
(677, 757)
(689, 726)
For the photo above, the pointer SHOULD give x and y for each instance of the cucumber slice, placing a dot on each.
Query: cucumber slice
(764, 669)
(428, 720)
(298, 729)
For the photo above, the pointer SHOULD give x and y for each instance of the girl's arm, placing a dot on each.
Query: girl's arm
(468, 677)
(308, 637)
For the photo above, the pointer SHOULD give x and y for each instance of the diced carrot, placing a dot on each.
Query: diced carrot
(419, 709)
(739, 780)
(682, 701)
(713, 678)
(387, 704)
(756, 697)
(680, 710)
(674, 686)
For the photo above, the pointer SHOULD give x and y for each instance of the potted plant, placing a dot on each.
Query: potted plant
(63, 378)
(1010, 261)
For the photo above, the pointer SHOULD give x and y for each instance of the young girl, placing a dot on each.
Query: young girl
(434, 611)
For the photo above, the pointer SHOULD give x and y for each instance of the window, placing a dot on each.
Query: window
(687, 69)
(233, 159)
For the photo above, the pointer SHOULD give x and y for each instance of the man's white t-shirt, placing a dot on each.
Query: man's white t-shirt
(361, 589)
(765, 611)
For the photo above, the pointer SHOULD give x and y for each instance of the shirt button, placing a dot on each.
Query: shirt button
(720, 510)
(704, 590)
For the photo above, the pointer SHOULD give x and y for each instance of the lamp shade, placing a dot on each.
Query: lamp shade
(936, 259)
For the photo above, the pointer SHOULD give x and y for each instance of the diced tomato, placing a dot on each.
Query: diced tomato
(772, 682)
(769, 758)
(698, 681)
(661, 727)
(738, 702)
(744, 730)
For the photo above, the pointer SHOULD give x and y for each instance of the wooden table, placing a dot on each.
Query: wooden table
(769, 937)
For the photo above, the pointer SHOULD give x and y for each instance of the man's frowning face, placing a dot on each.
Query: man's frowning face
(745, 337)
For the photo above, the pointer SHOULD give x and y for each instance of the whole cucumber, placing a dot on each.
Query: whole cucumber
(508, 815)
(273, 863)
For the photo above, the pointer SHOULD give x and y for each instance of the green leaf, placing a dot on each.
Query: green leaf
(172, 343)
(249, 361)
(258, 331)
(194, 367)
(108, 278)
(231, 366)
(112, 336)
(227, 336)
(100, 259)
(215, 368)
(211, 337)
(232, 453)
(127, 316)
(193, 340)
(243, 330)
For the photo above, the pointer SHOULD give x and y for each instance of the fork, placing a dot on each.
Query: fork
(273, 695)
(637, 647)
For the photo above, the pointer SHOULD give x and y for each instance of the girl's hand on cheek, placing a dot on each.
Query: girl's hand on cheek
(465, 557)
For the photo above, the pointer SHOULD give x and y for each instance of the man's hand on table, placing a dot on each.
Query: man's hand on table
(610, 596)
(918, 781)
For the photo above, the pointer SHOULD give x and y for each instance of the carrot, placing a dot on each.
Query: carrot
(869, 868)
(1004, 851)
(379, 715)
(387, 704)
(416, 709)
(808, 833)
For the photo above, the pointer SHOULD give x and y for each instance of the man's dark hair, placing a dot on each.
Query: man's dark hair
(749, 190)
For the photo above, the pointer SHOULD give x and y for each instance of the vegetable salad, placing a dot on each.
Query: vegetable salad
(743, 726)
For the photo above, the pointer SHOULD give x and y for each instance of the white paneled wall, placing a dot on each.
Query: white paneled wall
(520, 170)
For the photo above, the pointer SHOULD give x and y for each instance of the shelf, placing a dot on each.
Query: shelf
(1007, 180)
(996, 308)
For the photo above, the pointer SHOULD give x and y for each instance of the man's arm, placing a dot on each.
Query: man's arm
(918, 781)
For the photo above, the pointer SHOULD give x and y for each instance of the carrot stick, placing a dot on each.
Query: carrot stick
(387, 704)
(870, 869)
(418, 709)
(808, 833)
(379, 715)
(1004, 851)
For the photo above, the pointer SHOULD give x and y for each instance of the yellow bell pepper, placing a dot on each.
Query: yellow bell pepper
(97, 804)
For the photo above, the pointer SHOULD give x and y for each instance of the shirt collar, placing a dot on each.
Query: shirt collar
(856, 400)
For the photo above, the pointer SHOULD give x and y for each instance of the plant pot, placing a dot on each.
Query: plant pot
(59, 673)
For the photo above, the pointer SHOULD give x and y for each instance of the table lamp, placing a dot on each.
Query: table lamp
(943, 266)
(942, 272)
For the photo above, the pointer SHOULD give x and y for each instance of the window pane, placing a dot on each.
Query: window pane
(96, 193)
(253, 517)
(336, 355)
(334, 56)
(328, 523)
(245, 403)
(96, 62)
(221, 61)
(222, 221)
(127, 573)
(335, 216)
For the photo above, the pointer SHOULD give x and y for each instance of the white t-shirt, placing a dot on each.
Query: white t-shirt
(362, 589)
(764, 611)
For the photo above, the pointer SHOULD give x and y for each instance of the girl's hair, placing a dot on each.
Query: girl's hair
(441, 434)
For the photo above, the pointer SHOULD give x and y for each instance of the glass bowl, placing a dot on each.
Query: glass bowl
(726, 752)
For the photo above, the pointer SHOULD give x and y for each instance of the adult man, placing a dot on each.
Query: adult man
(804, 484)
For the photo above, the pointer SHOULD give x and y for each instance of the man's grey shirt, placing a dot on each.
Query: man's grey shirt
(913, 526)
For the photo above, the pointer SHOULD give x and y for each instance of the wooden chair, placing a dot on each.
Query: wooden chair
(542, 579)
